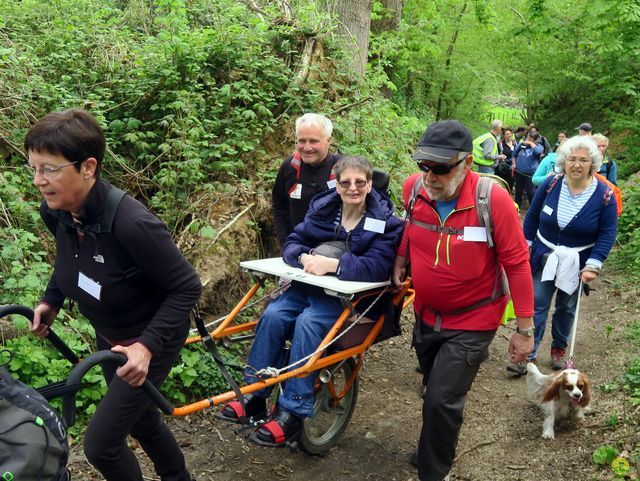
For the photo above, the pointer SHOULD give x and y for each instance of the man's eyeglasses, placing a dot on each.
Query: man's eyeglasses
(46, 171)
(359, 183)
(439, 169)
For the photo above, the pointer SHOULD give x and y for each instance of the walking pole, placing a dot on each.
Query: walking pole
(574, 330)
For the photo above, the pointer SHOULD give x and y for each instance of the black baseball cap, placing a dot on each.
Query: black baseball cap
(585, 126)
(442, 140)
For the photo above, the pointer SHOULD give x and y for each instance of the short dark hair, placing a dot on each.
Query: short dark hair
(74, 134)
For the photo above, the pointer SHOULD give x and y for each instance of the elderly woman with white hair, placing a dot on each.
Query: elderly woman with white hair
(571, 226)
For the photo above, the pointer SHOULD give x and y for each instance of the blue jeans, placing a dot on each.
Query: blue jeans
(562, 320)
(305, 316)
(486, 169)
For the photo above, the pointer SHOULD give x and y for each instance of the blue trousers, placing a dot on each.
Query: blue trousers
(305, 316)
(562, 320)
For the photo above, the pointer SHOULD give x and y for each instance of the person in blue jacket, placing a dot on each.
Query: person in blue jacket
(571, 226)
(526, 160)
(364, 219)
(548, 164)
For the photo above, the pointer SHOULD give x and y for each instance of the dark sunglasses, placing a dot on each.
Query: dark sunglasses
(440, 169)
(345, 184)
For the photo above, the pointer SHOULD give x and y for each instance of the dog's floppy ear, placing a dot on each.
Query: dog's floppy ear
(553, 391)
(586, 390)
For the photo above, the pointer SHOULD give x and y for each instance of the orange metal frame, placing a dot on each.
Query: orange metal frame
(402, 294)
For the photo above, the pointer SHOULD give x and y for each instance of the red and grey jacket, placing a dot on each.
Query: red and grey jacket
(451, 274)
(296, 184)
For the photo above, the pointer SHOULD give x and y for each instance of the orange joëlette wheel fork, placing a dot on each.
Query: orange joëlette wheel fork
(332, 388)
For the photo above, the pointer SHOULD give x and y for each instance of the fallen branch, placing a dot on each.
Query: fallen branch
(473, 448)
(233, 221)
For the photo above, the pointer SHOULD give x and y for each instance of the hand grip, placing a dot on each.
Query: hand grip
(53, 338)
(78, 372)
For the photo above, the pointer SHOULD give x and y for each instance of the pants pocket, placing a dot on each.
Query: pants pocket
(475, 358)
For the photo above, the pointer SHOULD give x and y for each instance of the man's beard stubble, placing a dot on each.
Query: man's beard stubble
(452, 186)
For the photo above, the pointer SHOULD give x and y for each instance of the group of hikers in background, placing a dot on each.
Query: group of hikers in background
(524, 157)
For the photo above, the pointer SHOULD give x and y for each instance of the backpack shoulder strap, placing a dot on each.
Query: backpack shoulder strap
(415, 190)
(553, 182)
(114, 197)
(483, 206)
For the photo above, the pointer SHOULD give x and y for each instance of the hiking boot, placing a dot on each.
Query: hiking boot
(558, 362)
(517, 369)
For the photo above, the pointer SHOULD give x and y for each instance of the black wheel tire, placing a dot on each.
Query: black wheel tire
(322, 431)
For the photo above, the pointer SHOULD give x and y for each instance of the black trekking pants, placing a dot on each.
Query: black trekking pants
(524, 186)
(128, 410)
(450, 361)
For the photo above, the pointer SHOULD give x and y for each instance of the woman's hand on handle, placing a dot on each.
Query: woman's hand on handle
(43, 317)
(136, 368)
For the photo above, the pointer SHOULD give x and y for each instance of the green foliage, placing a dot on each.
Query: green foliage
(627, 258)
(605, 454)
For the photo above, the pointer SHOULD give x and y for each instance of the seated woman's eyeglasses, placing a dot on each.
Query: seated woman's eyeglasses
(440, 169)
(46, 171)
(359, 183)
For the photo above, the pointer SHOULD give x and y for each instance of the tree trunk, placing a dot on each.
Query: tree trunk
(447, 65)
(354, 23)
(391, 16)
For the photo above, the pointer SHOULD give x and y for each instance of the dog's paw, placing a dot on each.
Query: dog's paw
(549, 434)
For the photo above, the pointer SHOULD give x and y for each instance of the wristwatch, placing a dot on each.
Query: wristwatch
(526, 332)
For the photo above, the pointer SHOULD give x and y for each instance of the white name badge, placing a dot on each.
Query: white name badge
(547, 210)
(374, 225)
(297, 192)
(475, 234)
(331, 184)
(89, 286)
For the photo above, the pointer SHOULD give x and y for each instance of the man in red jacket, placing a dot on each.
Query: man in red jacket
(456, 276)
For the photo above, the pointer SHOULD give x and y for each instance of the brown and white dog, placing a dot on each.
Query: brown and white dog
(564, 394)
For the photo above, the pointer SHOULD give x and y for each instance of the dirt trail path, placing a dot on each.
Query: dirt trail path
(500, 440)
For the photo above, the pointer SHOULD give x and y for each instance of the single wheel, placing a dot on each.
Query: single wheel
(330, 417)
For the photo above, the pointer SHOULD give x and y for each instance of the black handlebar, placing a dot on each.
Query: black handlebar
(81, 368)
(52, 337)
(78, 372)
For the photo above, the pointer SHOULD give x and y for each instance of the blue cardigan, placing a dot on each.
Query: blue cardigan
(596, 223)
(371, 254)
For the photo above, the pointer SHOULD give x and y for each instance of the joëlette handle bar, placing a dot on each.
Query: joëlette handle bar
(78, 372)
(81, 367)
(52, 337)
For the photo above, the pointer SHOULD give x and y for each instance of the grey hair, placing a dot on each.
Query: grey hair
(496, 124)
(353, 162)
(597, 137)
(315, 119)
(575, 143)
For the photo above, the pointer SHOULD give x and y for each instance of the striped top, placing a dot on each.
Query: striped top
(569, 205)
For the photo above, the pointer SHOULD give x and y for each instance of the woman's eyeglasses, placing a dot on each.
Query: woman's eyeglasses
(581, 160)
(46, 171)
(359, 183)
(440, 169)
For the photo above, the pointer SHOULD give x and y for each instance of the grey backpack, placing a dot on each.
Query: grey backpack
(33, 439)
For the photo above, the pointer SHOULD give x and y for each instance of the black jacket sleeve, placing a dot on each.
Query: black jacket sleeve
(280, 202)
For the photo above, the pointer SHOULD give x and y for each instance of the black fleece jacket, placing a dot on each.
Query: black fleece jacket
(287, 211)
(147, 288)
